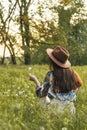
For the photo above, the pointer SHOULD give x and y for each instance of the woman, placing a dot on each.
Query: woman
(61, 83)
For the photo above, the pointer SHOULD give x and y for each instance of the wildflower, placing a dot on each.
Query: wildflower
(30, 68)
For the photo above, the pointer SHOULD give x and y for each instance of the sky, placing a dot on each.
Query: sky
(1, 51)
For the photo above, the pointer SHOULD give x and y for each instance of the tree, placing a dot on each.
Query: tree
(48, 24)
(24, 28)
(61, 34)
(6, 38)
(79, 36)
(71, 19)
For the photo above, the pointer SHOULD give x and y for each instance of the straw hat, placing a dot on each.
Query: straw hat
(59, 55)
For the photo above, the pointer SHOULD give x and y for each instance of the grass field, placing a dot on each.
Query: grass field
(19, 106)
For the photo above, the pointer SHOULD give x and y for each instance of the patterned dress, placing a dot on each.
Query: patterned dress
(47, 89)
(47, 96)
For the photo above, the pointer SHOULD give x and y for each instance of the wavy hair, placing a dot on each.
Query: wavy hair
(64, 79)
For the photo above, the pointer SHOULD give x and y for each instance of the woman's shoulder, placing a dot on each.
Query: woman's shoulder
(49, 73)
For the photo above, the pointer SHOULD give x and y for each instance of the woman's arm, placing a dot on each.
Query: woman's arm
(79, 81)
(34, 79)
(41, 90)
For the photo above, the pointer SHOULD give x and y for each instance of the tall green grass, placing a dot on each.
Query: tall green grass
(20, 108)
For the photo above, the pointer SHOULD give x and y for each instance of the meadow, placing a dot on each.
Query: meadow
(20, 108)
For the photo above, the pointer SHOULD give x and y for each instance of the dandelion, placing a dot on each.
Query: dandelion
(28, 86)
(64, 128)
(8, 90)
(18, 87)
(17, 106)
(16, 95)
(30, 68)
(21, 92)
(42, 128)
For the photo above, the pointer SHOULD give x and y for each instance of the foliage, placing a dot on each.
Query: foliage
(24, 27)
(20, 108)
(41, 24)
(39, 54)
(7, 39)
(65, 2)
(72, 22)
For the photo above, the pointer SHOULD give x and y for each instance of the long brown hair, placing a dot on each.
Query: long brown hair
(64, 79)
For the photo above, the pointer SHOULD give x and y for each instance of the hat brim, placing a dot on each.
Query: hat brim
(67, 64)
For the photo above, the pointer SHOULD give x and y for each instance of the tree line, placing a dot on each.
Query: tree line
(42, 24)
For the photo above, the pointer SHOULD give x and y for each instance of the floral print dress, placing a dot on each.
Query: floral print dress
(60, 100)
(46, 89)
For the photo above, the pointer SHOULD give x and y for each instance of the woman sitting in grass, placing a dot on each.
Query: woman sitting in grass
(61, 83)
